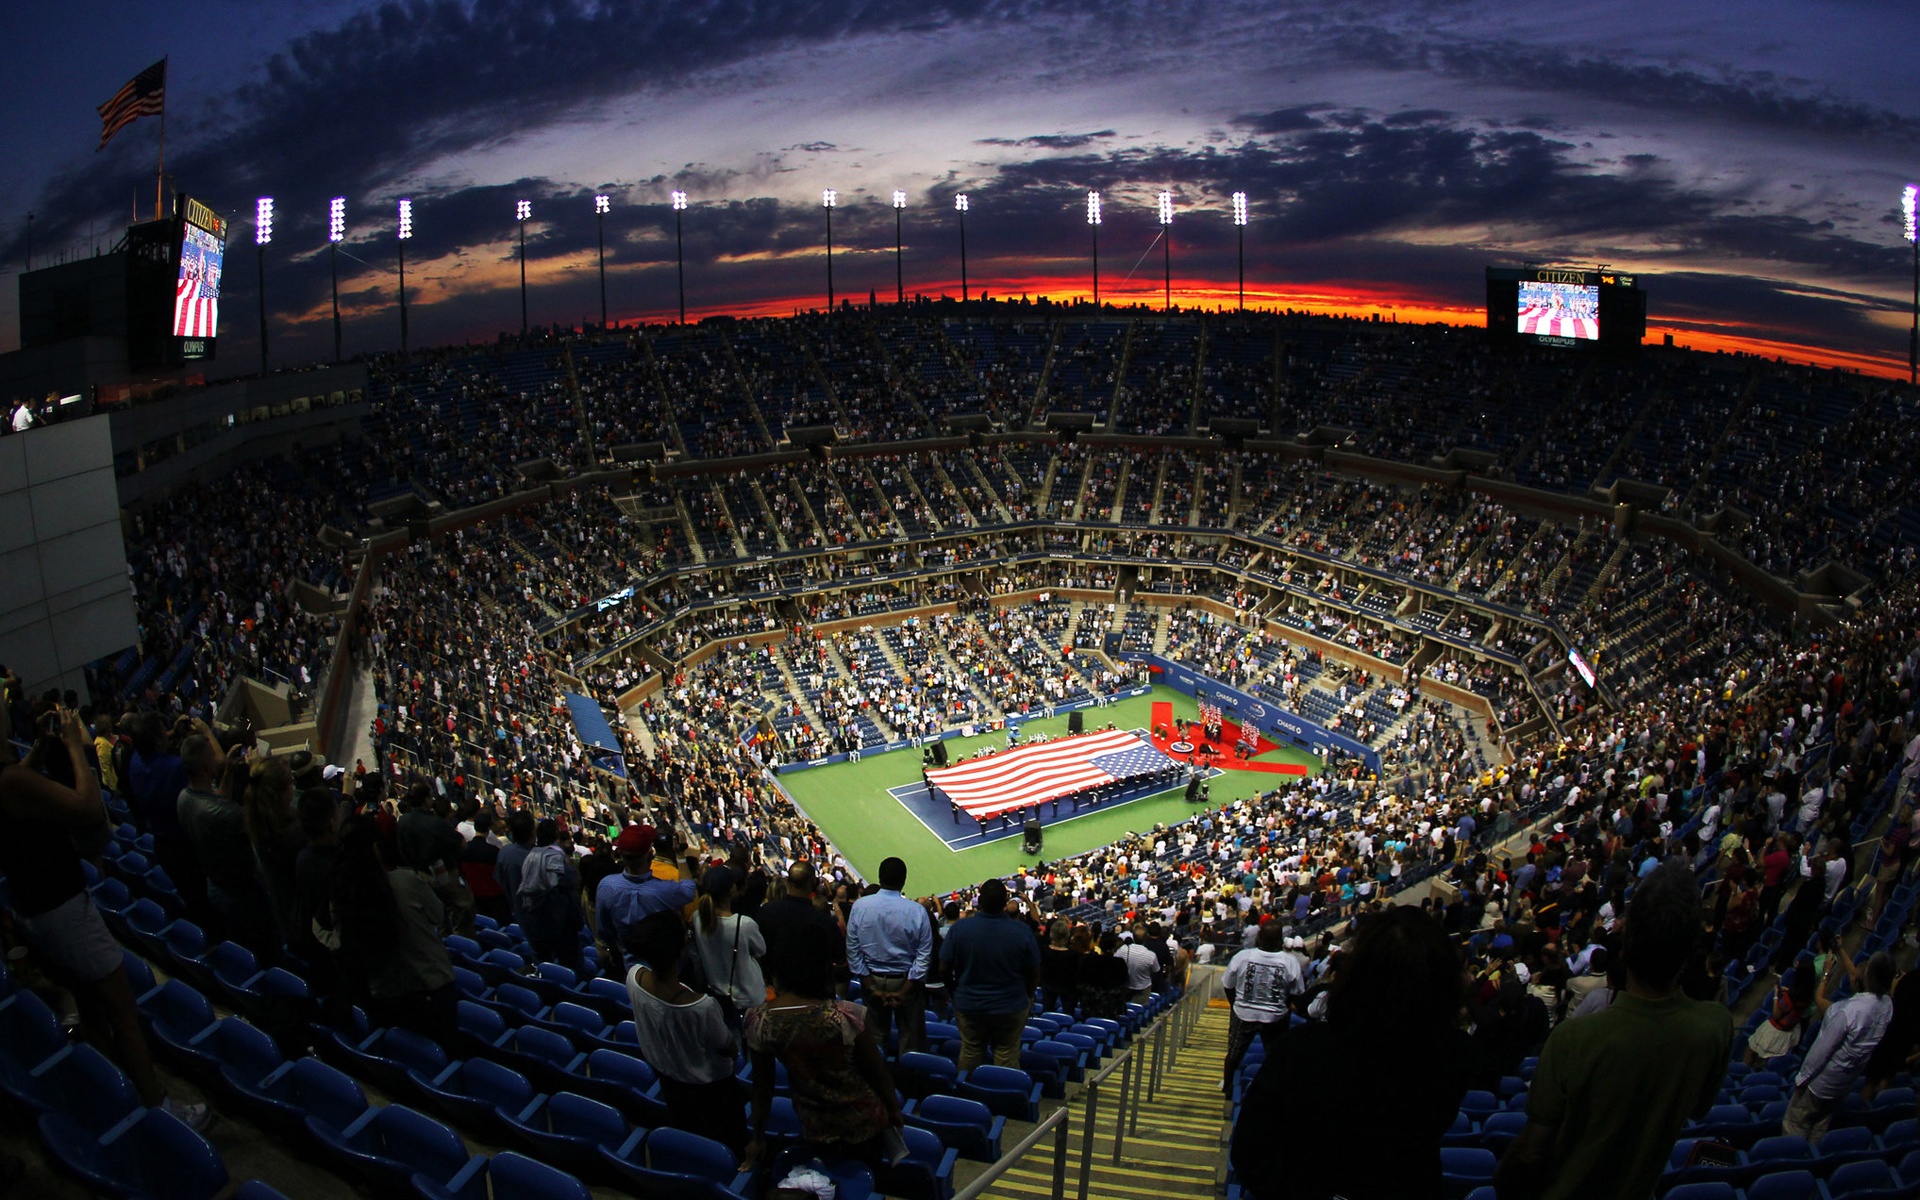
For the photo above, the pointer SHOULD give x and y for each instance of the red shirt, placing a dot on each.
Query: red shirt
(1774, 866)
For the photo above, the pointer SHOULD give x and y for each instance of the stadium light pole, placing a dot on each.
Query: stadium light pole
(680, 251)
(405, 232)
(336, 231)
(960, 206)
(899, 278)
(828, 199)
(1093, 223)
(1908, 199)
(1240, 228)
(600, 206)
(262, 234)
(1166, 248)
(522, 209)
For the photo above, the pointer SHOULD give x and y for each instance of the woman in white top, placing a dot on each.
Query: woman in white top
(683, 1035)
(729, 946)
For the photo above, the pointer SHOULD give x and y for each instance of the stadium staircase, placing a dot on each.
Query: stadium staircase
(1174, 1144)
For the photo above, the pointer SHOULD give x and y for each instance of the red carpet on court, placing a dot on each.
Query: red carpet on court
(1164, 736)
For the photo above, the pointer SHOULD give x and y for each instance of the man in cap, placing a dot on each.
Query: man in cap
(626, 899)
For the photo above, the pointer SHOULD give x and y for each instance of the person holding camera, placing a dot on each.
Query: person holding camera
(52, 802)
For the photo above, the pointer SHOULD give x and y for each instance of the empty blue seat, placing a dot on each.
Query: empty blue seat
(470, 1091)
(1004, 1090)
(290, 1095)
(233, 1049)
(1704, 1191)
(76, 1081)
(1871, 1179)
(918, 1074)
(1463, 1169)
(150, 1154)
(926, 1173)
(626, 1082)
(385, 1147)
(175, 1012)
(966, 1125)
(505, 1176)
(671, 1164)
(1784, 1185)
(567, 1130)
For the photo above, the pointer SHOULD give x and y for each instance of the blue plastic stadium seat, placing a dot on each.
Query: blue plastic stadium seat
(567, 1130)
(472, 1091)
(966, 1125)
(386, 1146)
(671, 1164)
(918, 1074)
(1784, 1185)
(236, 1050)
(1004, 1090)
(291, 1094)
(1871, 1179)
(926, 1173)
(505, 1176)
(1463, 1169)
(76, 1081)
(150, 1154)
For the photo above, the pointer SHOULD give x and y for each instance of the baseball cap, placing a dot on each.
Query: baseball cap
(719, 881)
(1503, 941)
(635, 839)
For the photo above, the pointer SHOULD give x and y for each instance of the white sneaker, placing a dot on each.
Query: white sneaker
(194, 1116)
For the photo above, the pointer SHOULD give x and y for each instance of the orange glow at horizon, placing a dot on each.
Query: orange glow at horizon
(469, 275)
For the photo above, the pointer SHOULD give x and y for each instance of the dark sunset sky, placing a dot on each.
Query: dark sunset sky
(1745, 159)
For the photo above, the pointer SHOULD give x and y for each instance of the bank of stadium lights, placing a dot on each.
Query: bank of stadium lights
(1166, 247)
(1240, 231)
(601, 205)
(960, 207)
(1908, 199)
(680, 251)
(899, 280)
(336, 233)
(828, 199)
(1093, 223)
(522, 210)
(262, 234)
(405, 231)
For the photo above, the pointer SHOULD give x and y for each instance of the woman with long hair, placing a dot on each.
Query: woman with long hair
(1356, 1105)
(388, 926)
(276, 836)
(728, 946)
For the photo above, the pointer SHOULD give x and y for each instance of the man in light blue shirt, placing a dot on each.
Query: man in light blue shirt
(1849, 1033)
(889, 949)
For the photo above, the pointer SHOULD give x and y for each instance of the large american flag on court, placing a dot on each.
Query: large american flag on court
(1027, 775)
(145, 95)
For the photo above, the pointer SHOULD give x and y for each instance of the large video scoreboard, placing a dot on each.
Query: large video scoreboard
(1562, 306)
(200, 249)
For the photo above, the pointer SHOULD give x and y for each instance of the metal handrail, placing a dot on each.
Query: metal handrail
(1058, 1120)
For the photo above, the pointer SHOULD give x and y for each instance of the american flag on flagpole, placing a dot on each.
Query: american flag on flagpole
(145, 95)
(997, 783)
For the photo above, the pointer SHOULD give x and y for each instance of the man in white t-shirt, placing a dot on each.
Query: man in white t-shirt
(1260, 984)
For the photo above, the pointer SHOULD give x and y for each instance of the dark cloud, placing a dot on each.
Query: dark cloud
(815, 147)
(1757, 98)
(1052, 141)
(1418, 116)
(1282, 120)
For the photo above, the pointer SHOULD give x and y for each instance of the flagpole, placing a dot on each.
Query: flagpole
(160, 172)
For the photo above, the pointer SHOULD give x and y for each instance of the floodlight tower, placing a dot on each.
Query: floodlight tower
(1240, 228)
(680, 252)
(1907, 202)
(336, 231)
(262, 234)
(960, 206)
(1166, 249)
(899, 284)
(828, 199)
(600, 206)
(522, 209)
(405, 232)
(1093, 223)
